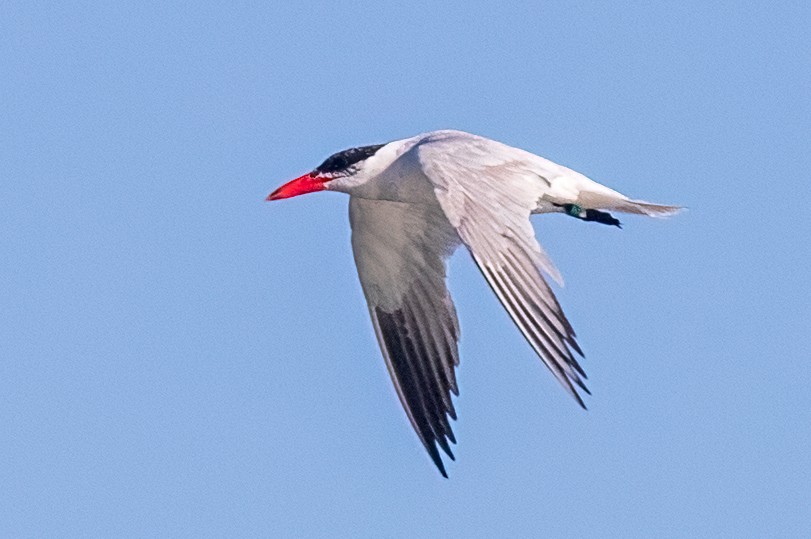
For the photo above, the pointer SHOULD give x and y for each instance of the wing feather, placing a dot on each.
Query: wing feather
(488, 191)
(400, 252)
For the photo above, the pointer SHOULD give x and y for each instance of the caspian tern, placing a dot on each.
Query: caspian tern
(412, 203)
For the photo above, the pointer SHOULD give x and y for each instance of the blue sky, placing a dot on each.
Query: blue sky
(180, 358)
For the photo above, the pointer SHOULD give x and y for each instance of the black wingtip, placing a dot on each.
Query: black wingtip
(443, 443)
(574, 346)
(440, 466)
(582, 386)
(579, 399)
(433, 452)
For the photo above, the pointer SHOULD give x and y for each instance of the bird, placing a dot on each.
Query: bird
(412, 203)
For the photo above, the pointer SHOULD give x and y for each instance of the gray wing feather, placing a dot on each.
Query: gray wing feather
(488, 191)
(400, 252)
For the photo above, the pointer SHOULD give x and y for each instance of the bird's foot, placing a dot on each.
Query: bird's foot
(602, 217)
(597, 216)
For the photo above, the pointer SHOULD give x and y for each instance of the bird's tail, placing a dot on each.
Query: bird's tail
(601, 197)
(587, 193)
(640, 207)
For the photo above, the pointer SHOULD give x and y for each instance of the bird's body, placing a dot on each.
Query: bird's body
(412, 203)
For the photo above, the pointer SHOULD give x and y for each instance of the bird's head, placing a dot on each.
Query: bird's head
(340, 172)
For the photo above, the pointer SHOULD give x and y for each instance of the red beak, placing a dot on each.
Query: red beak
(300, 186)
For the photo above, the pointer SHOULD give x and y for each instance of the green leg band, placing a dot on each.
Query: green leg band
(575, 210)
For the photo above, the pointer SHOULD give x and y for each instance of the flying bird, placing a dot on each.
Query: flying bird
(412, 202)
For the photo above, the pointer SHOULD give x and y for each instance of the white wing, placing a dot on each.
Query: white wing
(400, 251)
(488, 191)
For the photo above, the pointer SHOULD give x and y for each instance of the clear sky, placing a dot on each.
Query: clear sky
(180, 358)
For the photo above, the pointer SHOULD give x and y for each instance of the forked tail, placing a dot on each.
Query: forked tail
(640, 207)
(597, 196)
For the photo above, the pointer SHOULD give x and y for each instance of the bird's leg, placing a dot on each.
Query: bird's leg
(598, 216)
(574, 210)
